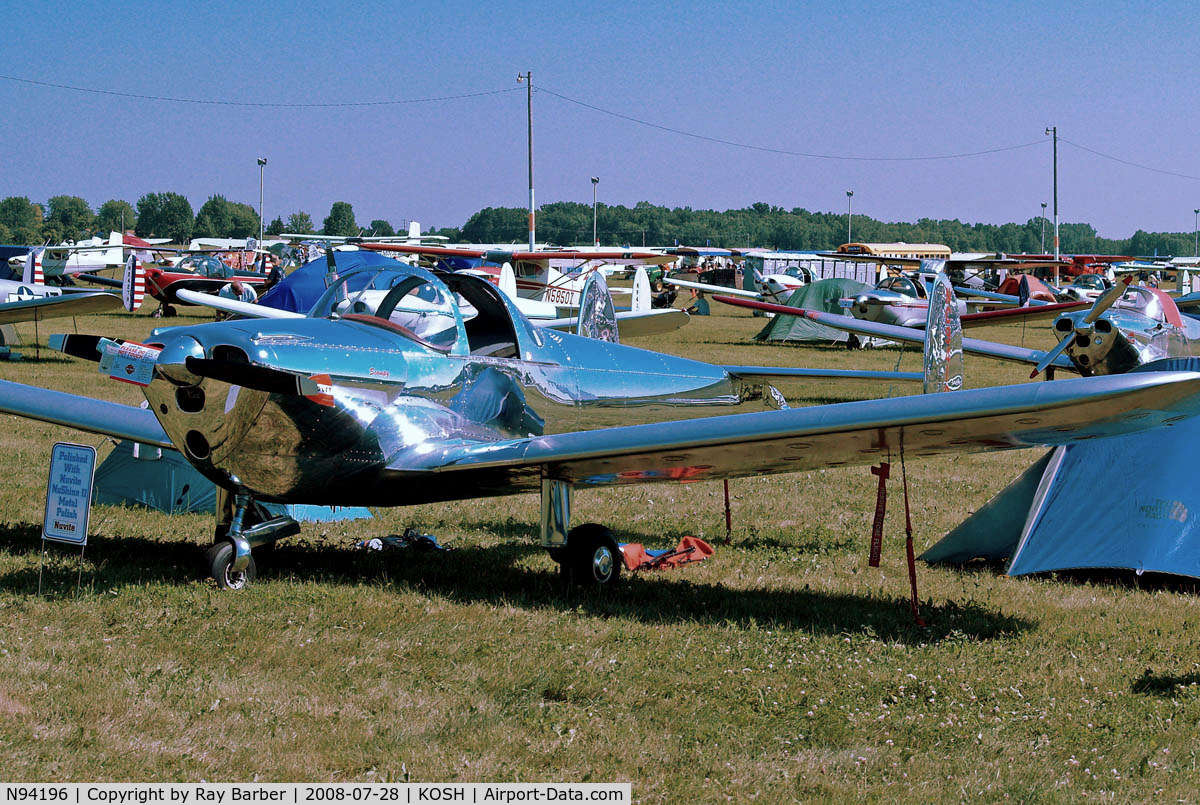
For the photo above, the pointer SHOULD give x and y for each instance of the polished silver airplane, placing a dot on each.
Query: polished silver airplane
(442, 390)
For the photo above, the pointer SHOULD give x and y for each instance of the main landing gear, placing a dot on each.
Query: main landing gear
(591, 557)
(588, 555)
(229, 561)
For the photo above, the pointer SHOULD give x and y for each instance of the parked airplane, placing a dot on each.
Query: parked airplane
(202, 273)
(27, 300)
(1125, 328)
(537, 276)
(356, 408)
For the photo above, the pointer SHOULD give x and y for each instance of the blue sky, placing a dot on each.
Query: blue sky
(863, 88)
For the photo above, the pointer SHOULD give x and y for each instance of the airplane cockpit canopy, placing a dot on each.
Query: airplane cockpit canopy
(1142, 300)
(448, 312)
(204, 265)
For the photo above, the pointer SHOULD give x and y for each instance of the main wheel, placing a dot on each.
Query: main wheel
(591, 557)
(219, 559)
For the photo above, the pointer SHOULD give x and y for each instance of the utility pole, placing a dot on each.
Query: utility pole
(528, 79)
(1054, 131)
(1196, 230)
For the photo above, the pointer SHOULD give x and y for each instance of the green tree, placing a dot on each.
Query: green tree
(300, 223)
(70, 217)
(340, 220)
(244, 221)
(115, 216)
(275, 228)
(165, 215)
(22, 219)
(381, 228)
(215, 218)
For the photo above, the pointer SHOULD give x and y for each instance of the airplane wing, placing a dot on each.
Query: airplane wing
(248, 309)
(629, 322)
(912, 335)
(703, 286)
(499, 256)
(841, 434)
(82, 413)
(46, 307)
(766, 374)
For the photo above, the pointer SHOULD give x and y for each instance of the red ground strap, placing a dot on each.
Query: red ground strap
(883, 471)
(880, 511)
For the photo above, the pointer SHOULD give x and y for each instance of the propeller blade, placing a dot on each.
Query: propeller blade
(260, 378)
(1107, 300)
(1045, 362)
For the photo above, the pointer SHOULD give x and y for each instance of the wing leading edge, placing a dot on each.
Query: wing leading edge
(799, 439)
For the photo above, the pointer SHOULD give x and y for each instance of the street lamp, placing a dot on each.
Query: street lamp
(1196, 230)
(595, 181)
(1053, 130)
(262, 163)
(1043, 251)
(849, 214)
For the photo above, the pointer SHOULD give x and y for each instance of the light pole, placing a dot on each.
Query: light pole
(849, 214)
(262, 163)
(1196, 230)
(1043, 227)
(595, 181)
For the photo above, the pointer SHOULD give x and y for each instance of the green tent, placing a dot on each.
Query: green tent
(823, 295)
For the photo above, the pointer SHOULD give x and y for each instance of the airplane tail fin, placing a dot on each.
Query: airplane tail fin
(33, 268)
(943, 339)
(508, 281)
(597, 315)
(414, 230)
(133, 284)
(640, 302)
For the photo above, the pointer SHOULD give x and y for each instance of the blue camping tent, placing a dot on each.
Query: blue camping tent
(1124, 502)
(163, 479)
(301, 289)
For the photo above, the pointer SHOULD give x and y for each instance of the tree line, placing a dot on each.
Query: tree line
(159, 215)
(170, 215)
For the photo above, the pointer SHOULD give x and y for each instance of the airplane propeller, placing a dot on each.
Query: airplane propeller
(238, 373)
(1103, 303)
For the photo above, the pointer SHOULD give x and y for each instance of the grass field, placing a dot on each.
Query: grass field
(782, 669)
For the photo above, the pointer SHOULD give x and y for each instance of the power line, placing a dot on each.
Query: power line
(781, 150)
(257, 104)
(1127, 162)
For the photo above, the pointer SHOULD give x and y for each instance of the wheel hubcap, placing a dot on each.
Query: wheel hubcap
(602, 564)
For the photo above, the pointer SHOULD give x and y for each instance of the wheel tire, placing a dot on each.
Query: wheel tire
(593, 558)
(218, 558)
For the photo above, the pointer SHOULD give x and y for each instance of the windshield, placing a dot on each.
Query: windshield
(418, 303)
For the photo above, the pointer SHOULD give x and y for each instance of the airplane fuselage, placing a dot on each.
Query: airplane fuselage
(382, 399)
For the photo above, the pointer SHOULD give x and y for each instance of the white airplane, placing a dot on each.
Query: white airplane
(772, 288)
(640, 320)
(28, 300)
(538, 273)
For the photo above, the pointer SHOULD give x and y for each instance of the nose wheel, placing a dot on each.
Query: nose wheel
(591, 557)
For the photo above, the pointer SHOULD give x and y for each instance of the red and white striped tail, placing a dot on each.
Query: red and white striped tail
(133, 284)
(33, 268)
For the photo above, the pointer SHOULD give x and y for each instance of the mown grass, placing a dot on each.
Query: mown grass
(782, 669)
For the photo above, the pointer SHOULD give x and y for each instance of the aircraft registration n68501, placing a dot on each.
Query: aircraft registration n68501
(442, 390)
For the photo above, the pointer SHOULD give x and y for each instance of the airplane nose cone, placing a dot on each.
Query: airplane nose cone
(863, 304)
(171, 361)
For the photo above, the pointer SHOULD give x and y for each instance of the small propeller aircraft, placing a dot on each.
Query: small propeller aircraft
(27, 300)
(1126, 327)
(444, 391)
(200, 272)
(537, 276)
